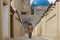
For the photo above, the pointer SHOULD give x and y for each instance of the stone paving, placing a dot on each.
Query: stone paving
(26, 38)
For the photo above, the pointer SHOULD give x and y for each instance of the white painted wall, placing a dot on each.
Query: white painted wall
(5, 21)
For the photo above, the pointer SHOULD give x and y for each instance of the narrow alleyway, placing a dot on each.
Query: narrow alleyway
(37, 18)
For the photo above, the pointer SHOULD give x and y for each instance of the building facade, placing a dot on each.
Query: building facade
(1, 36)
(4, 23)
(16, 4)
(48, 27)
(26, 6)
(9, 21)
(16, 27)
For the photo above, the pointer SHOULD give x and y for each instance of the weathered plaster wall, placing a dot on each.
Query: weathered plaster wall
(1, 35)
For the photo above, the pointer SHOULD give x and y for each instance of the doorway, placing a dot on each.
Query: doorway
(11, 26)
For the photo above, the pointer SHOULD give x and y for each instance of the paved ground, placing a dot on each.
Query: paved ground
(26, 38)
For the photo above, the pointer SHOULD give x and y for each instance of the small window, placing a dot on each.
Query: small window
(32, 11)
(23, 13)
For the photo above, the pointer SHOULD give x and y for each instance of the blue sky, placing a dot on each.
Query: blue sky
(41, 2)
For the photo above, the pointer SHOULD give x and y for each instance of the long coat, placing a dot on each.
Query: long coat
(30, 29)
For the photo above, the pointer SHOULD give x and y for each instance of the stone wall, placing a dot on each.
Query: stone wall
(1, 35)
(16, 4)
(58, 20)
(18, 27)
(49, 24)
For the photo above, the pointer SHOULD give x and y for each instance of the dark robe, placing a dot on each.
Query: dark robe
(30, 30)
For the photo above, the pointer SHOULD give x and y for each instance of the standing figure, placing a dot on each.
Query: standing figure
(30, 30)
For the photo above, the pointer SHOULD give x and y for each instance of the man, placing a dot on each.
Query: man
(30, 30)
